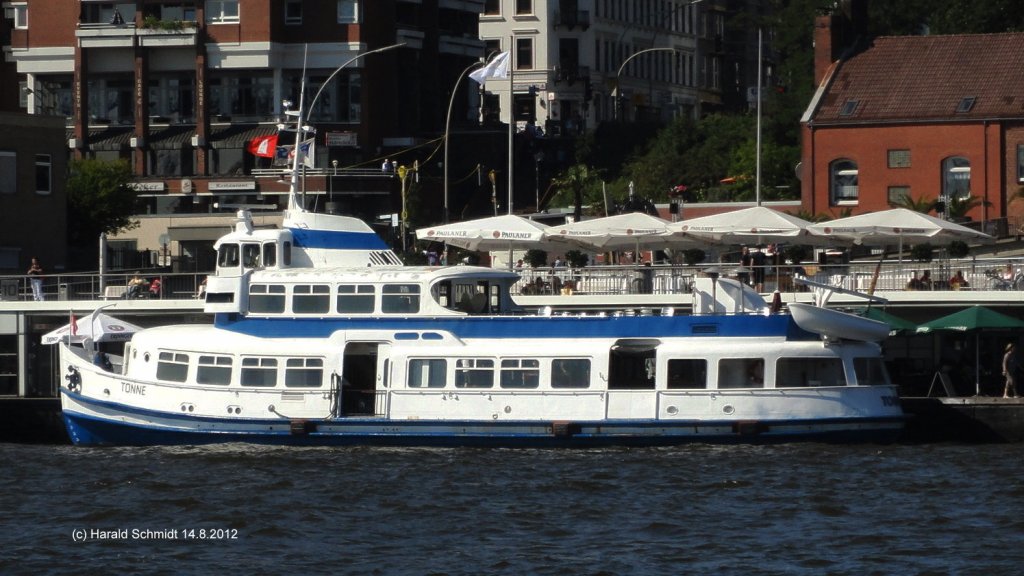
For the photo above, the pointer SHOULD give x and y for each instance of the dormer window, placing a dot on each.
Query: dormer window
(849, 107)
(965, 105)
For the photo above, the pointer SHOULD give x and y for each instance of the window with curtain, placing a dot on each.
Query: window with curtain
(843, 175)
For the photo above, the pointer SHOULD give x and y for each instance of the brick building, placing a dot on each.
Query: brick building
(933, 117)
(179, 87)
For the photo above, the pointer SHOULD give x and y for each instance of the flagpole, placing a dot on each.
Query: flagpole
(511, 115)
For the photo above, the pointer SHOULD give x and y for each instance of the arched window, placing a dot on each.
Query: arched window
(956, 177)
(843, 178)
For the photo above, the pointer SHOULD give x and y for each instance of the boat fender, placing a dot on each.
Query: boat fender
(564, 429)
(74, 379)
(301, 427)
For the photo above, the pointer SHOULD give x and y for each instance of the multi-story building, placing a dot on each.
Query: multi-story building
(180, 87)
(934, 118)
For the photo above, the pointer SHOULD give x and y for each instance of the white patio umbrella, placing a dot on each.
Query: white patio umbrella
(634, 231)
(893, 226)
(755, 225)
(485, 234)
(97, 327)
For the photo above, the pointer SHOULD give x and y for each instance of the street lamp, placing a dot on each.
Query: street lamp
(403, 172)
(301, 123)
(447, 126)
(330, 193)
(537, 158)
(493, 177)
(618, 74)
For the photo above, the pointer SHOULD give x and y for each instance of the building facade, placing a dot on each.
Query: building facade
(916, 117)
(180, 88)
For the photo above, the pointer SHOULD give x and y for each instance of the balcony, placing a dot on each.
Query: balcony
(152, 33)
(572, 18)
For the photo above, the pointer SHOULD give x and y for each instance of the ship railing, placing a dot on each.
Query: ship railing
(890, 275)
(109, 286)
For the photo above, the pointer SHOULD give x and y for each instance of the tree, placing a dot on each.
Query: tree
(576, 179)
(919, 204)
(100, 200)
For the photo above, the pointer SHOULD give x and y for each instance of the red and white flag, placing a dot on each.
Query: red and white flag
(263, 146)
(74, 326)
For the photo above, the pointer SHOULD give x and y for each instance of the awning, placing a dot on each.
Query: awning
(238, 136)
(108, 139)
(171, 138)
(197, 233)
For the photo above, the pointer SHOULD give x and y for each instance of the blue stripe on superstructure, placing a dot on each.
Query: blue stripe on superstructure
(512, 327)
(336, 240)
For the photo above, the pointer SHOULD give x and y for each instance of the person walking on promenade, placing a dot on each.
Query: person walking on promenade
(1010, 371)
(35, 272)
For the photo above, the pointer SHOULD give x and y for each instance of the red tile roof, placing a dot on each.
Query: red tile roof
(921, 78)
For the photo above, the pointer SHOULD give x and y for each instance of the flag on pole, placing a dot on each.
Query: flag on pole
(282, 154)
(263, 146)
(307, 150)
(496, 68)
(74, 327)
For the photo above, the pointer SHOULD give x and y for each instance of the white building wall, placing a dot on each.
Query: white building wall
(662, 79)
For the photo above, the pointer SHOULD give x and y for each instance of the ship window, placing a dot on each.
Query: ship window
(870, 372)
(427, 373)
(803, 372)
(311, 299)
(687, 374)
(400, 298)
(286, 254)
(474, 373)
(250, 255)
(570, 373)
(259, 372)
(516, 373)
(214, 370)
(741, 373)
(270, 254)
(355, 298)
(266, 298)
(304, 373)
(172, 367)
(227, 255)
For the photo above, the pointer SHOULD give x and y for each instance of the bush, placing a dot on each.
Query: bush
(536, 258)
(693, 256)
(958, 249)
(576, 258)
(922, 252)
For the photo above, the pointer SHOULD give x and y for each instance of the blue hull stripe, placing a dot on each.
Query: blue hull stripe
(335, 240)
(87, 430)
(508, 327)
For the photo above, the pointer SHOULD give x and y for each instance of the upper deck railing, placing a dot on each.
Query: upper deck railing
(890, 276)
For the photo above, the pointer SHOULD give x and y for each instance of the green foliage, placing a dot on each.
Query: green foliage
(536, 258)
(152, 22)
(919, 204)
(922, 252)
(693, 256)
(957, 208)
(958, 249)
(797, 253)
(100, 200)
(580, 182)
(576, 258)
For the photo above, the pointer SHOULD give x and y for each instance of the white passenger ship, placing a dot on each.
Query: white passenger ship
(322, 336)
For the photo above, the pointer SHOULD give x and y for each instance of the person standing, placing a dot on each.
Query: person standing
(745, 262)
(1010, 371)
(35, 273)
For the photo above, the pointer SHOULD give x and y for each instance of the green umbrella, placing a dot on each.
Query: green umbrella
(896, 324)
(975, 318)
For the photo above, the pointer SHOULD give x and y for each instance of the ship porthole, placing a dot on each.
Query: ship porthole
(728, 409)
(672, 410)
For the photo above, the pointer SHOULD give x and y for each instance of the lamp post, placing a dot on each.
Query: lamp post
(537, 158)
(302, 122)
(493, 177)
(403, 172)
(618, 75)
(447, 127)
(330, 193)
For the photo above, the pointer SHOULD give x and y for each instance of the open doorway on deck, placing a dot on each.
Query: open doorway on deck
(359, 379)
(631, 365)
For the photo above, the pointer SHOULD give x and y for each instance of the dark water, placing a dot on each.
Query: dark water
(790, 509)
